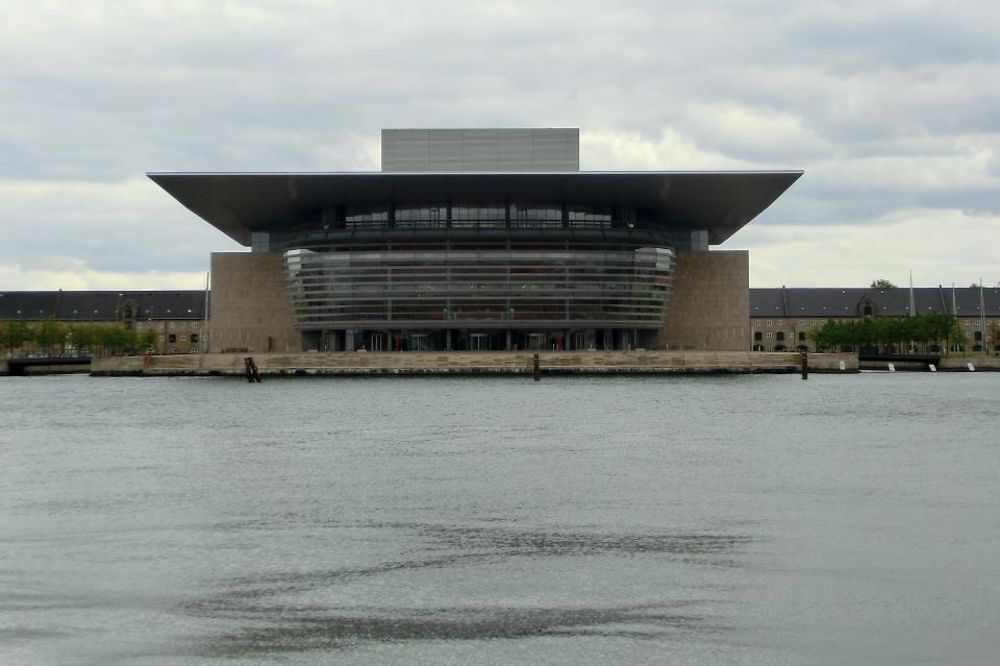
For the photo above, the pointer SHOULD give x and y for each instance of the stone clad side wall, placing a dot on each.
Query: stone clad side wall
(249, 307)
(710, 302)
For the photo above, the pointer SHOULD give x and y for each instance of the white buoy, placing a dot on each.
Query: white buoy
(843, 366)
(933, 368)
(892, 368)
(972, 368)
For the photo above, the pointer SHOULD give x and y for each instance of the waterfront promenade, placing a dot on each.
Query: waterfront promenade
(497, 363)
(474, 363)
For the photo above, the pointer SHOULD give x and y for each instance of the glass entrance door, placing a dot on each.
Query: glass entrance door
(538, 341)
(479, 342)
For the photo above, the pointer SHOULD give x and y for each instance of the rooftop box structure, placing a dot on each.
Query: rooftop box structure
(481, 149)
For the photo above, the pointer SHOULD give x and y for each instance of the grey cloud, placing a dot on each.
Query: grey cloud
(111, 233)
(102, 94)
(854, 37)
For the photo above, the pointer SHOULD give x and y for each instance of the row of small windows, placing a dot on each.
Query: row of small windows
(767, 323)
(779, 348)
(867, 311)
(127, 313)
(780, 336)
(808, 322)
(781, 322)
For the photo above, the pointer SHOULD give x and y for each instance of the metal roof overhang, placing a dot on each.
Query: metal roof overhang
(239, 203)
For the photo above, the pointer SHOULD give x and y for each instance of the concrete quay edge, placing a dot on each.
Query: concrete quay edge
(473, 363)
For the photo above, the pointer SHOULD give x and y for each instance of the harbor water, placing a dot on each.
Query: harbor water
(635, 520)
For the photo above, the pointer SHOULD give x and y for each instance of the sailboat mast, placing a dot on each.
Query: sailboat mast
(913, 309)
(982, 316)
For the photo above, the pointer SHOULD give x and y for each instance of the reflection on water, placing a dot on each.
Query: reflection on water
(578, 520)
(279, 626)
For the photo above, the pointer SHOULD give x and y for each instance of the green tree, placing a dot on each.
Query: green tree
(956, 337)
(889, 333)
(882, 283)
(16, 335)
(83, 337)
(938, 328)
(833, 335)
(50, 336)
(862, 334)
(104, 340)
(114, 339)
(148, 339)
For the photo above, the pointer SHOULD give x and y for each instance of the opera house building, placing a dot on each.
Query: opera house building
(486, 239)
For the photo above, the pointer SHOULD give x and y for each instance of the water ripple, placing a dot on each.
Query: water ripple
(302, 631)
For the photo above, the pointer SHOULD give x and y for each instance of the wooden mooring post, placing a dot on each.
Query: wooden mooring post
(805, 365)
(252, 373)
(536, 369)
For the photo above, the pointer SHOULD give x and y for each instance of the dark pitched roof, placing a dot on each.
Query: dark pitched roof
(100, 305)
(850, 302)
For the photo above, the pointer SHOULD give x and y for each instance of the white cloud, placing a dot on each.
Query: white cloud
(613, 150)
(73, 275)
(762, 134)
(939, 246)
(129, 226)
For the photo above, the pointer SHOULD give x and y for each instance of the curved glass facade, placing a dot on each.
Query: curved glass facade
(478, 276)
(493, 288)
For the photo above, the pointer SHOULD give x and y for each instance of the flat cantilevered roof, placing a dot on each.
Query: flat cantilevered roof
(240, 203)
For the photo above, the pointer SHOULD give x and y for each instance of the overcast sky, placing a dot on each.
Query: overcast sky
(892, 109)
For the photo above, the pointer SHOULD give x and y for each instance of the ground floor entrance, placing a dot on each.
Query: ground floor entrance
(396, 340)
